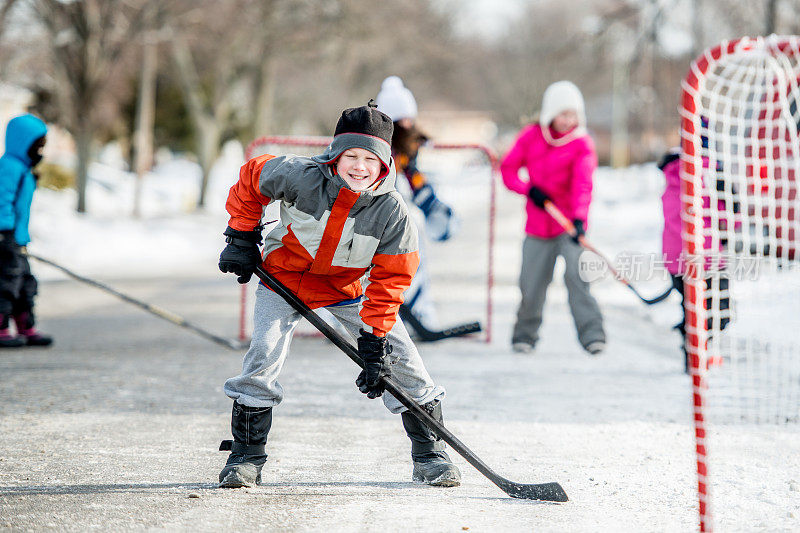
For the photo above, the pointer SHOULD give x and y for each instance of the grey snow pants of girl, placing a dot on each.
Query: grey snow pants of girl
(274, 324)
(538, 260)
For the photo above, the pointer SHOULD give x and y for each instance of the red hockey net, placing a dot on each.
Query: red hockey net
(460, 269)
(740, 164)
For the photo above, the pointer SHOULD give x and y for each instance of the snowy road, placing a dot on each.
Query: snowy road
(116, 427)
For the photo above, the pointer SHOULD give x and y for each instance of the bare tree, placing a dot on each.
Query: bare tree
(225, 58)
(282, 32)
(5, 9)
(209, 115)
(10, 51)
(87, 41)
(544, 45)
(146, 102)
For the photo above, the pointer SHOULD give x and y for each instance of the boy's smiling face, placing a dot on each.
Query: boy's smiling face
(358, 168)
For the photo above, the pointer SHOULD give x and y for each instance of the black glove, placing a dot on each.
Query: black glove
(579, 231)
(241, 256)
(375, 352)
(537, 196)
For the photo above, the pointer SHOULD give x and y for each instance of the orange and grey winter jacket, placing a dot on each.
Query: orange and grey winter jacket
(328, 235)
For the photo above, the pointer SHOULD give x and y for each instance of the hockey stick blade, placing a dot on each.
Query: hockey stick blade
(426, 335)
(548, 492)
(656, 299)
(545, 491)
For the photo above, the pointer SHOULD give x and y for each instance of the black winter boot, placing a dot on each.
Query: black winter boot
(249, 426)
(431, 464)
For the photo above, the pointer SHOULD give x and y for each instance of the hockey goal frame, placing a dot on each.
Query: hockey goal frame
(321, 142)
(691, 170)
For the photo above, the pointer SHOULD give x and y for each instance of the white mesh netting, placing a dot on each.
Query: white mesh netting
(746, 164)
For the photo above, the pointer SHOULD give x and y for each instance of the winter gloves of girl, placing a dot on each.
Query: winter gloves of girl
(579, 231)
(241, 256)
(539, 197)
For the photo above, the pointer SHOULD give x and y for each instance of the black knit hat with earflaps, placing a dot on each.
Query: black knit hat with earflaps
(366, 120)
(362, 127)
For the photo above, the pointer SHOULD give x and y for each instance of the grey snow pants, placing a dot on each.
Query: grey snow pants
(538, 260)
(274, 324)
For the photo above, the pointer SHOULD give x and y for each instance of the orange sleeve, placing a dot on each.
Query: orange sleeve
(245, 202)
(390, 276)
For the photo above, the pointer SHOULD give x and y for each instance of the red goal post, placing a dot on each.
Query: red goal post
(492, 161)
(740, 163)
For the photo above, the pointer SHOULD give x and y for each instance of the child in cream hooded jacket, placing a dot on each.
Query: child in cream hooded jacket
(559, 158)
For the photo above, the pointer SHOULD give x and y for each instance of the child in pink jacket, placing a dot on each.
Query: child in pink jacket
(559, 158)
(672, 245)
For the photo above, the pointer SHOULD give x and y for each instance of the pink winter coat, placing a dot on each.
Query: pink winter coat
(671, 243)
(564, 173)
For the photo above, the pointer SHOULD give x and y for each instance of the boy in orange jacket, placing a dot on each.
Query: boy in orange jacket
(340, 218)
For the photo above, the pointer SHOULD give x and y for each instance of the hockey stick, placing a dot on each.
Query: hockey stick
(542, 491)
(427, 335)
(150, 308)
(569, 227)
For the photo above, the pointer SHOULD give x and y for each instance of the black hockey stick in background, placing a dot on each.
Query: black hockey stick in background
(541, 491)
(150, 308)
(569, 227)
(428, 335)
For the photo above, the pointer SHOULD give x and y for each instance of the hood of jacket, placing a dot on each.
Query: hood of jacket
(559, 97)
(21, 133)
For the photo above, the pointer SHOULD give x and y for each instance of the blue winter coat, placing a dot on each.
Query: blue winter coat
(16, 180)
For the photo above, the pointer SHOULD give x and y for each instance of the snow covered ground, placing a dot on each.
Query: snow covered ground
(614, 430)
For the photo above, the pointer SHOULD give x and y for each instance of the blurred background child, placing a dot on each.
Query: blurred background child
(25, 140)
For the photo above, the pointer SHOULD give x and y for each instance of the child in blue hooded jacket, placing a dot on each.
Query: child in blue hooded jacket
(25, 140)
